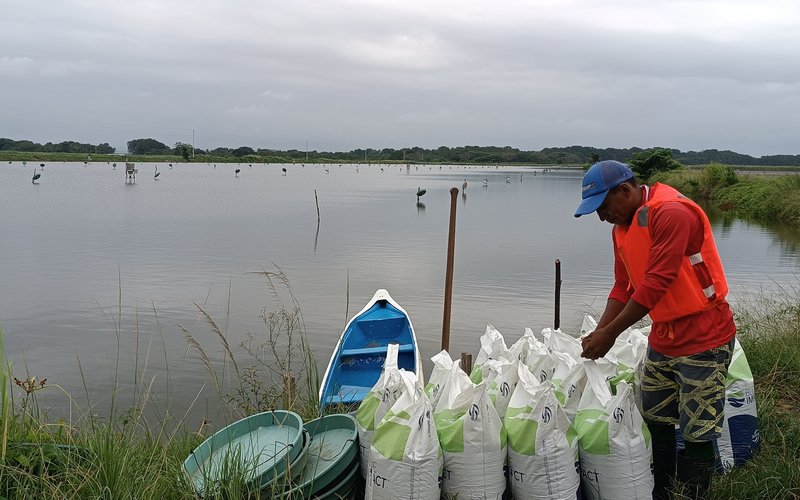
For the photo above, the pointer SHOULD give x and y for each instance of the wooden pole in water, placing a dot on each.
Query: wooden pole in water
(557, 321)
(448, 279)
(317, 201)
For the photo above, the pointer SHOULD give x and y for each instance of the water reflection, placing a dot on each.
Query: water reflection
(420, 207)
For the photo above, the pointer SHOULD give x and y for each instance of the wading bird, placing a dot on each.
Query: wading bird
(284, 170)
(155, 177)
(237, 172)
(464, 186)
(420, 192)
(35, 176)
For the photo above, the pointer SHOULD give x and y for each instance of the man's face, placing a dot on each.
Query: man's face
(616, 208)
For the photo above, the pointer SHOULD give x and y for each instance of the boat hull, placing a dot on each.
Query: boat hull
(357, 361)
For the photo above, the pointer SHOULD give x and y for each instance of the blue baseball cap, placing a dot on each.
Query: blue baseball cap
(601, 178)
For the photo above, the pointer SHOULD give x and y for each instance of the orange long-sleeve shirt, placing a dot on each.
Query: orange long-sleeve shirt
(676, 232)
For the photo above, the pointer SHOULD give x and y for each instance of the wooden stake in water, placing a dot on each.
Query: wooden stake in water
(448, 279)
(466, 362)
(317, 202)
(557, 321)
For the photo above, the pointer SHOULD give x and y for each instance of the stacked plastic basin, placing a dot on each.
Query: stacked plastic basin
(279, 455)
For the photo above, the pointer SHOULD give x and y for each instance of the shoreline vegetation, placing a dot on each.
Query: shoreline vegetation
(151, 150)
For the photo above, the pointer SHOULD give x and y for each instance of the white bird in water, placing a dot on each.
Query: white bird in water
(35, 176)
(508, 180)
(155, 177)
(485, 182)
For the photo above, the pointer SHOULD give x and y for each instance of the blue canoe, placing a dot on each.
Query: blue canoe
(358, 358)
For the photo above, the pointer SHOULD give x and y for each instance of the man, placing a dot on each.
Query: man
(666, 265)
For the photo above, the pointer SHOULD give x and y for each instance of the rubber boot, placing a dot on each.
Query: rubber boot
(664, 460)
(694, 475)
(664, 447)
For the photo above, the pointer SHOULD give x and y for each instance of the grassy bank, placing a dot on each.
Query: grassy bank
(769, 331)
(765, 198)
(122, 455)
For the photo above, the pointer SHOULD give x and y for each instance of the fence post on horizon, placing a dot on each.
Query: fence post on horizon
(448, 279)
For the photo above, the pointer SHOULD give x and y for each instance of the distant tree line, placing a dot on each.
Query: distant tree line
(61, 147)
(486, 155)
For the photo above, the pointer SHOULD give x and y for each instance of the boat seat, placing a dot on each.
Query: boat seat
(366, 351)
(386, 327)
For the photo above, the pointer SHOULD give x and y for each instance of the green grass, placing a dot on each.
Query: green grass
(770, 199)
(769, 330)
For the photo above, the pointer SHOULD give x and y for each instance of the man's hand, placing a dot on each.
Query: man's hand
(597, 344)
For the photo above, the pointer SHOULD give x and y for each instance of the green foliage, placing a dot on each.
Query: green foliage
(646, 163)
(61, 147)
(715, 177)
(147, 147)
(482, 155)
(184, 150)
(243, 151)
(766, 198)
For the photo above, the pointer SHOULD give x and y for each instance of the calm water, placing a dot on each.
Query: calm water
(71, 244)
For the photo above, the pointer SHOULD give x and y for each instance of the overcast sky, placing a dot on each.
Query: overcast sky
(347, 74)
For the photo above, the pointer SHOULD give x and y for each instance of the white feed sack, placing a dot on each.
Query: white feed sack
(526, 344)
(558, 341)
(378, 401)
(442, 364)
(613, 440)
(454, 384)
(492, 346)
(501, 379)
(473, 444)
(542, 443)
(569, 379)
(405, 458)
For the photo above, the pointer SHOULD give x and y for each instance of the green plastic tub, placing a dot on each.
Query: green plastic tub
(259, 448)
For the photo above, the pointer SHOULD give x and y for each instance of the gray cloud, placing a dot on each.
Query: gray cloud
(346, 74)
